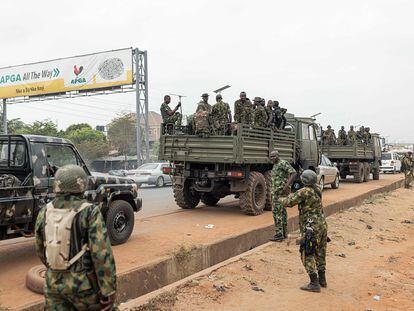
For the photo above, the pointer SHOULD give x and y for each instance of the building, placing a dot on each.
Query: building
(154, 122)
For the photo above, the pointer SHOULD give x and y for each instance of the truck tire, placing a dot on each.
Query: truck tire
(35, 279)
(185, 197)
(359, 175)
(268, 179)
(253, 200)
(376, 172)
(209, 199)
(120, 221)
(367, 170)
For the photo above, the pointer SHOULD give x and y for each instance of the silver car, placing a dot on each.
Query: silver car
(151, 174)
(328, 174)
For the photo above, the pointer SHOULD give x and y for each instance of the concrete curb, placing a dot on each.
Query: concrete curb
(168, 270)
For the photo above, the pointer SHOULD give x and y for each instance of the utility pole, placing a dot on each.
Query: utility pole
(4, 116)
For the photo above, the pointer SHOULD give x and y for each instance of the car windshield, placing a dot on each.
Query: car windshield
(148, 166)
(386, 156)
(17, 154)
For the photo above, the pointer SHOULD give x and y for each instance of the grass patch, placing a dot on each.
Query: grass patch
(183, 253)
(162, 302)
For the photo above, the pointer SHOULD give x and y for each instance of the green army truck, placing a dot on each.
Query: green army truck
(207, 169)
(358, 159)
(27, 167)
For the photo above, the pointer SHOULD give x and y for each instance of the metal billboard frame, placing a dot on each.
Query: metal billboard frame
(140, 86)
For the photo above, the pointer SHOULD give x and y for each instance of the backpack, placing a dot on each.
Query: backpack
(58, 225)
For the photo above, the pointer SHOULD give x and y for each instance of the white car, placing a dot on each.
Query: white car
(151, 174)
(328, 174)
(390, 162)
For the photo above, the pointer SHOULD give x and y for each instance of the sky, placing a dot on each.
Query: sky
(352, 61)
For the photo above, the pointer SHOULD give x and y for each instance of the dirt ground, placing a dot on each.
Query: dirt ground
(370, 266)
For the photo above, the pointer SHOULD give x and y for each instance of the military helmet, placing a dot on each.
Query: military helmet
(218, 96)
(308, 177)
(70, 179)
(204, 95)
(329, 127)
(257, 99)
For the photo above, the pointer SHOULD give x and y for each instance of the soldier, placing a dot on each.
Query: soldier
(168, 115)
(407, 168)
(259, 114)
(203, 105)
(367, 136)
(72, 241)
(360, 134)
(220, 115)
(329, 137)
(280, 119)
(269, 111)
(313, 229)
(282, 177)
(342, 138)
(243, 110)
(352, 136)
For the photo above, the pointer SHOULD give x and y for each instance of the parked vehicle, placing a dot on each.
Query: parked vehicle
(151, 174)
(328, 174)
(121, 173)
(207, 169)
(390, 162)
(27, 167)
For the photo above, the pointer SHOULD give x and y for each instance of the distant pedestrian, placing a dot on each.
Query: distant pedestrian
(313, 229)
(72, 242)
(282, 177)
(407, 168)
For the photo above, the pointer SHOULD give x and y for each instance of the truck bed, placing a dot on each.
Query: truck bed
(357, 151)
(247, 146)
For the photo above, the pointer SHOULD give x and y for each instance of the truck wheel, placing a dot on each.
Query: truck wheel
(268, 179)
(366, 171)
(335, 184)
(376, 173)
(209, 199)
(120, 221)
(186, 198)
(35, 279)
(359, 175)
(253, 200)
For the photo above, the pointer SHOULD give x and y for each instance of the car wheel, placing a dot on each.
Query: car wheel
(335, 184)
(321, 183)
(160, 182)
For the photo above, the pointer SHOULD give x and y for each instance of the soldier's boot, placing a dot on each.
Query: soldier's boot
(313, 286)
(322, 279)
(285, 231)
(277, 238)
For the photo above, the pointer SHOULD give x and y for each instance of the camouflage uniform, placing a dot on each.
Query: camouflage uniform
(279, 177)
(329, 137)
(352, 136)
(93, 275)
(166, 118)
(243, 111)
(360, 134)
(219, 117)
(407, 164)
(366, 136)
(311, 215)
(203, 106)
(342, 136)
(260, 116)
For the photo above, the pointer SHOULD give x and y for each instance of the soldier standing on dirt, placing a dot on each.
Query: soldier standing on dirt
(72, 242)
(220, 115)
(168, 115)
(407, 168)
(282, 177)
(243, 110)
(313, 229)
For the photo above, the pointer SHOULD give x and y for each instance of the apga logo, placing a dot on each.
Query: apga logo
(77, 71)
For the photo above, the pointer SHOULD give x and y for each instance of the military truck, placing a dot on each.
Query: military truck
(358, 159)
(27, 167)
(209, 168)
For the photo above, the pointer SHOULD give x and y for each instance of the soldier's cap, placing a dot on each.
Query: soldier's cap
(257, 99)
(218, 96)
(328, 126)
(204, 95)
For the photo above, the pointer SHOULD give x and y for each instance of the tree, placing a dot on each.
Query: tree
(46, 127)
(91, 144)
(78, 126)
(122, 134)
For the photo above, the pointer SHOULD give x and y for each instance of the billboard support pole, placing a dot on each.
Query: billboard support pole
(141, 79)
(4, 116)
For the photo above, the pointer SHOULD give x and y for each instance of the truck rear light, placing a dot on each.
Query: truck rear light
(353, 163)
(167, 170)
(235, 174)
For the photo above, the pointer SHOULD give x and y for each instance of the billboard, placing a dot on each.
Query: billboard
(79, 73)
